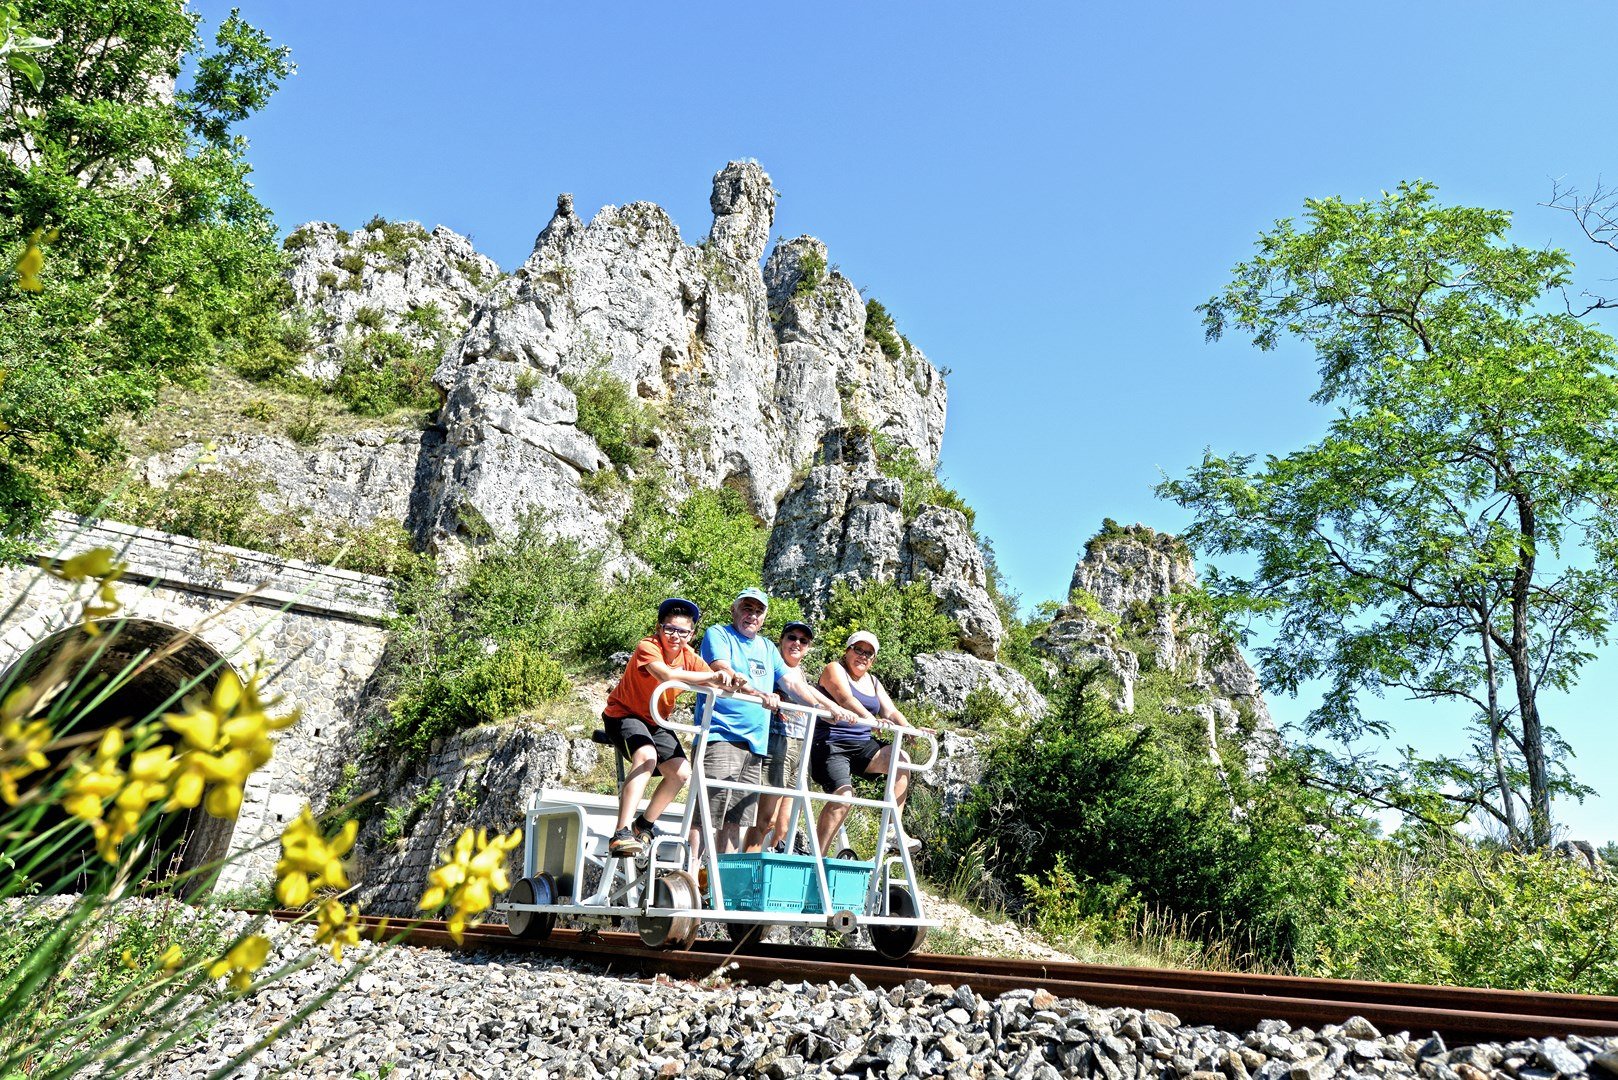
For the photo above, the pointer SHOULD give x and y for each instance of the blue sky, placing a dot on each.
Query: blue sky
(1040, 194)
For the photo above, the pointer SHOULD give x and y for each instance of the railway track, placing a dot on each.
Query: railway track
(1461, 1015)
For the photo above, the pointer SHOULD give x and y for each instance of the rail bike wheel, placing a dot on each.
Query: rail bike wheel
(744, 935)
(533, 925)
(898, 942)
(676, 889)
(847, 853)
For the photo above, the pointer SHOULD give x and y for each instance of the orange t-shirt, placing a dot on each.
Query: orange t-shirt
(633, 694)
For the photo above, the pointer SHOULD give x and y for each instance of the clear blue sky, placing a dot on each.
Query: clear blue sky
(1039, 193)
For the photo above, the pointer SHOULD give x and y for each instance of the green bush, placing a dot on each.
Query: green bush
(369, 317)
(621, 424)
(906, 620)
(1135, 815)
(879, 327)
(1473, 918)
(382, 372)
(921, 484)
(709, 549)
(326, 280)
(811, 274)
(539, 603)
(296, 239)
(353, 262)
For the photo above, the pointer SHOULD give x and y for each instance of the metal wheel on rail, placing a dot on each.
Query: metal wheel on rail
(675, 889)
(533, 925)
(898, 942)
(847, 853)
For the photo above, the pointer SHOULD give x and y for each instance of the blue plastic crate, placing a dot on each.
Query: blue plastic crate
(850, 880)
(765, 881)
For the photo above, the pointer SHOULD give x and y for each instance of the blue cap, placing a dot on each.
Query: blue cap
(675, 605)
(751, 594)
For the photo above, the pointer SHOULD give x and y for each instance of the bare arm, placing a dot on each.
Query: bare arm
(834, 681)
(803, 692)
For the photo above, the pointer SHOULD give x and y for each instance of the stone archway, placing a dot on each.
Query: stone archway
(140, 667)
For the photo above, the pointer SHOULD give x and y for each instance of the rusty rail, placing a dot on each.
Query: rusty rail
(1227, 1000)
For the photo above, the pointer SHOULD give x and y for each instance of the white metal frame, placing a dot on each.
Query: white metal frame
(626, 884)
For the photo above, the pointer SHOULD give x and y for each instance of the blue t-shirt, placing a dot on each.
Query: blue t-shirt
(758, 661)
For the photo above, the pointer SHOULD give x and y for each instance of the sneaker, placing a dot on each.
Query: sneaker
(624, 844)
(645, 831)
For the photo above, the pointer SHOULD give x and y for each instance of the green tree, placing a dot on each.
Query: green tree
(162, 259)
(1452, 536)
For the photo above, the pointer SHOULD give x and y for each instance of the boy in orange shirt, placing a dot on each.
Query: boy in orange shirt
(663, 654)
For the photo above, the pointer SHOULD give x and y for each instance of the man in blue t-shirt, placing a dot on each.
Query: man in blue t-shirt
(739, 736)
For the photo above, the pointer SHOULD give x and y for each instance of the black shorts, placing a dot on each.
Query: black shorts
(834, 765)
(630, 733)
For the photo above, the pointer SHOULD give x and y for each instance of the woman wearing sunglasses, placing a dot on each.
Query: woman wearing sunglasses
(841, 752)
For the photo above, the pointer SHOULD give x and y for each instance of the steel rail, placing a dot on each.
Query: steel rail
(1232, 1001)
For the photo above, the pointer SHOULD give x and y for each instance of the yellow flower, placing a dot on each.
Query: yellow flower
(309, 861)
(90, 785)
(22, 745)
(128, 960)
(100, 566)
(471, 873)
(224, 737)
(246, 957)
(32, 260)
(172, 958)
(339, 926)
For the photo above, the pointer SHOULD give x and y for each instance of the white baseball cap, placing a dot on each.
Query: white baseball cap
(865, 636)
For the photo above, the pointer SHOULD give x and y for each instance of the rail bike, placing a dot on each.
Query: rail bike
(682, 879)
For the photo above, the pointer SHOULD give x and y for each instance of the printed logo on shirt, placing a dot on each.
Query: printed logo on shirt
(756, 670)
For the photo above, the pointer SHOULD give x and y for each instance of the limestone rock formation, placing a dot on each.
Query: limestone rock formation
(845, 522)
(946, 679)
(687, 329)
(1121, 615)
(395, 275)
(353, 479)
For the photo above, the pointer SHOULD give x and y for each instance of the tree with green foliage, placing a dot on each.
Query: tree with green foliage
(1138, 814)
(1453, 534)
(160, 258)
(906, 619)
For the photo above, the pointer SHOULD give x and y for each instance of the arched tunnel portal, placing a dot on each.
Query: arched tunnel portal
(135, 669)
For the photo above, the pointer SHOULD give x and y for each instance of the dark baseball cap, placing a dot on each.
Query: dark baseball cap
(805, 627)
(676, 605)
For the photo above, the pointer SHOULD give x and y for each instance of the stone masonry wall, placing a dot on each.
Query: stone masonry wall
(318, 634)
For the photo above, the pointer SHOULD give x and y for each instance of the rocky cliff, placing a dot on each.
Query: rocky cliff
(1124, 613)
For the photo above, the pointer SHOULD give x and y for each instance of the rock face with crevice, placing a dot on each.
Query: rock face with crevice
(845, 522)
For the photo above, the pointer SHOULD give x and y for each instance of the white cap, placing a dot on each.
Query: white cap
(862, 635)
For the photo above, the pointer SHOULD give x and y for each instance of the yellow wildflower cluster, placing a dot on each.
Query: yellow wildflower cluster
(32, 260)
(472, 872)
(338, 926)
(98, 565)
(246, 957)
(226, 735)
(22, 742)
(309, 861)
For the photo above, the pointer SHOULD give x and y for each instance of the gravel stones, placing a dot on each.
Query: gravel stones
(417, 1013)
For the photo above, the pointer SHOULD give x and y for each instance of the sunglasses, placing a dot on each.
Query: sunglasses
(859, 651)
(796, 639)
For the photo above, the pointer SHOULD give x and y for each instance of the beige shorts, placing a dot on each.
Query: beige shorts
(732, 761)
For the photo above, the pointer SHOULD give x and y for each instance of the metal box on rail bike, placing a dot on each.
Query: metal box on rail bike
(767, 881)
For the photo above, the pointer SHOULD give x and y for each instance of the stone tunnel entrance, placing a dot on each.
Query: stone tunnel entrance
(138, 670)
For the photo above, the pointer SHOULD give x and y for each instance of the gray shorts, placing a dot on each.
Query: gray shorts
(732, 761)
(785, 753)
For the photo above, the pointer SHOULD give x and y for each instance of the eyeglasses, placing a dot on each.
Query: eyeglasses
(857, 651)
(675, 631)
(795, 639)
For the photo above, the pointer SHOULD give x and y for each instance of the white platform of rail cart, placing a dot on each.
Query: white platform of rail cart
(567, 832)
